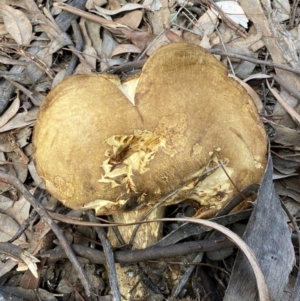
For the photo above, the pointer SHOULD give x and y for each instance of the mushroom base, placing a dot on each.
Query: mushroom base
(130, 276)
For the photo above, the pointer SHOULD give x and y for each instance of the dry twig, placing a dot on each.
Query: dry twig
(109, 258)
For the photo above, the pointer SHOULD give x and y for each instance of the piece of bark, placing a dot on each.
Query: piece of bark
(268, 235)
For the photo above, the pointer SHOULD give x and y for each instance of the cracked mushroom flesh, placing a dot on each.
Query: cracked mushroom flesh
(118, 147)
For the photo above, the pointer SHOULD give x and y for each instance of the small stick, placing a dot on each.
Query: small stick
(92, 17)
(109, 256)
(255, 61)
(293, 13)
(150, 253)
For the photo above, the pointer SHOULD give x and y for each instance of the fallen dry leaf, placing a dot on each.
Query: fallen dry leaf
(20, 120)
(10, 112)
(8, 228)
(18, 210)
(293, 113)
(160, 18)
(139, 38)
(264, 239)
(17, 24)
(173, 36)
(126, 48)
(233, 11)
(30, 262)
(207, 23)
(36, 178)
(132, 19)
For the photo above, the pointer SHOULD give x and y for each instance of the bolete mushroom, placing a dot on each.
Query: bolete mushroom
(119, 147)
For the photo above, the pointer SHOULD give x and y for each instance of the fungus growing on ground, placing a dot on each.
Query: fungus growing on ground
(121, 147)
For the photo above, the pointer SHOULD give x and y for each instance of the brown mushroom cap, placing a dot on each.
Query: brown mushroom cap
(91, 143)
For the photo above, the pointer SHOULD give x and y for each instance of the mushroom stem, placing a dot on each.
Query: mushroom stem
(129, 278)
